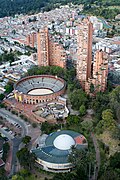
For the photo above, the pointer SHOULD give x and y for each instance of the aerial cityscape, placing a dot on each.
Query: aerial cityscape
(59, 90)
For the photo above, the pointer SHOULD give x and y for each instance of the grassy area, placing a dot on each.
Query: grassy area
(109, 141)
(114, 7)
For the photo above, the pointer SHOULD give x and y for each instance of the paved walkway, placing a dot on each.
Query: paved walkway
(97, 166)
(9, 159)
(25, 109)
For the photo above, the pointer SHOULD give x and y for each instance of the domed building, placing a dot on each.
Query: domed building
(55, 150)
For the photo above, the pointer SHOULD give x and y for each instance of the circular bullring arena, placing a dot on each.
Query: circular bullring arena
(39, 89)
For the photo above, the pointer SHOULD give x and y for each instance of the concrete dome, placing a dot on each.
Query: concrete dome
(64, 142)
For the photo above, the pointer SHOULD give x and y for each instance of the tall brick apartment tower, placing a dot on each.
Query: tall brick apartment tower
(50, 53)
(100, 73)
(84, 41)
(31, 39)
(42, 46)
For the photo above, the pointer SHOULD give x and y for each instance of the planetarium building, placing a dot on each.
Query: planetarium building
(54, 153)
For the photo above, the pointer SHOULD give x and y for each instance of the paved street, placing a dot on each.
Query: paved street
(10, 117)
(16, 141)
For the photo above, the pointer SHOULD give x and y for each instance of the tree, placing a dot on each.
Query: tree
(79, 158)
(115, 160)
(17, 177)
(24, 173)
(8, 88)
(109, 174)
(2, 174)
(100, 103)
(87, 126)
(34, 125)
(6, 148)
(107, 122)
(77, 98)
(72, 119)
(82, 110)
(26, 139)
(2, 97)
(114, 98)
(26, 158)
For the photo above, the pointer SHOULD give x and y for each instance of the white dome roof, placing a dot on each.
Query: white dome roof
(63, 142)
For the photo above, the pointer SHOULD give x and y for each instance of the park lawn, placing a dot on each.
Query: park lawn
(108, 140)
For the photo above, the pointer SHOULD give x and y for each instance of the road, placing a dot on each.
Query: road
(16, 140)
(16, 143)
(10, 117)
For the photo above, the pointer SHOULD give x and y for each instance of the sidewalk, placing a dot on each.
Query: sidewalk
(8, 163)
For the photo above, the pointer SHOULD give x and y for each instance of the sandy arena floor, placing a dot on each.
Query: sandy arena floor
(40, 92)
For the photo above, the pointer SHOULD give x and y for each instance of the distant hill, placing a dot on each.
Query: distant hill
(12, 7)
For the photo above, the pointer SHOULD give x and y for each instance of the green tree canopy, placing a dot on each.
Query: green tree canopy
(115, 101)
(8, 88)
(77, 98)
(107, 122)
(82, 110)
(26, 158)
(26, 139)
(115, 160)
(72, 119)
(2, 97)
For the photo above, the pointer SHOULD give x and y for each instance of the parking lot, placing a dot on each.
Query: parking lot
(10, 127)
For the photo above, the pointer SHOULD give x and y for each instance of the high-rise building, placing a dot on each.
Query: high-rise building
(31, 39)
(42, 47)
(57, 54)
(84, 42)
(99, 74)
(92, 75)
(49, 52)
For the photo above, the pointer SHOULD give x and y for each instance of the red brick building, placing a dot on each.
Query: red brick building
(49, 52)
(88, 72)
(31, 39)
(99, 74)
(84, 42)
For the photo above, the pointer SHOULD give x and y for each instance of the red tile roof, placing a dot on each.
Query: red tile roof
(79, 139)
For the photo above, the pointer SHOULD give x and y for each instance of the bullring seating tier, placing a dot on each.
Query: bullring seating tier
(25, 86)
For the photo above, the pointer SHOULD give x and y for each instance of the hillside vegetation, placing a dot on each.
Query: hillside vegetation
(12, 7)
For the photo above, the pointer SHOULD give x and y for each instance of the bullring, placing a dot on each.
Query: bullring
(38, 89)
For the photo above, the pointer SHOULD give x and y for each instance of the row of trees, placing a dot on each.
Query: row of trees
(67, 74)
(26, 160)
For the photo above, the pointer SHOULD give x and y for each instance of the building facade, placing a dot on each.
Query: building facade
(99, 73)
(53, 154)
(23, 87)
(42, 47)
(31, 39)
(50, 53)
(84, 52)
(91, 74)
